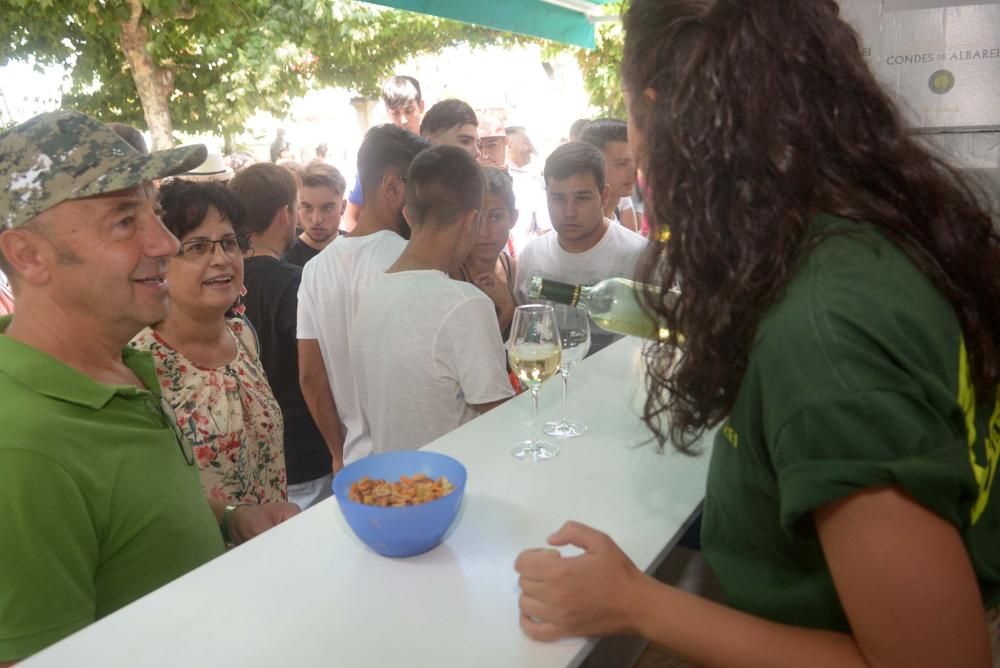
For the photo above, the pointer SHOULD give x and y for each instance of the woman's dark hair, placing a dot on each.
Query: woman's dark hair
(185, 205)
(756, 117)
(501, 184)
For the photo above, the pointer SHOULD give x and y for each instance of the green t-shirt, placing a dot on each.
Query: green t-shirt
(98, 505)
(857, 378)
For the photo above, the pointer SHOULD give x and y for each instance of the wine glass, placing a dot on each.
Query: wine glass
(534, 356)
(574, 335)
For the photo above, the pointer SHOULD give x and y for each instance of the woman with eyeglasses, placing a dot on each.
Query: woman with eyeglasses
(208, 364)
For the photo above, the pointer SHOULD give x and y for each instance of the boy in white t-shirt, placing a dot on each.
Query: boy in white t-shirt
(586, 248)
(332, 286)
(427, 354)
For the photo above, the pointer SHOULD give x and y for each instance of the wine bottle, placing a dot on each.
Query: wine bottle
(613, 304)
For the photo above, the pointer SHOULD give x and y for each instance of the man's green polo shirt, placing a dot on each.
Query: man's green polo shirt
(98, 503)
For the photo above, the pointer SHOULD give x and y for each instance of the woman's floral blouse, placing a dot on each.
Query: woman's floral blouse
(229, 415)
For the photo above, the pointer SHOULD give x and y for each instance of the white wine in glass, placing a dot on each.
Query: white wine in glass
(534, 355)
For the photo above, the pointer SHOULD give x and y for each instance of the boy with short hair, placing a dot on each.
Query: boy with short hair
(586, 248)
(427, 353)
(453, 123)
(610, 136)
(321, 204)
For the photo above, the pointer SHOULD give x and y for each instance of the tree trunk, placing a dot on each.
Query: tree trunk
(154, 84)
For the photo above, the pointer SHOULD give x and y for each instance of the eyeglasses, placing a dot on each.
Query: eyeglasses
(232, 246)
(166, 411)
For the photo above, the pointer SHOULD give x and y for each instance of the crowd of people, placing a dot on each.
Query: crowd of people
(190, 350)
(295, 325)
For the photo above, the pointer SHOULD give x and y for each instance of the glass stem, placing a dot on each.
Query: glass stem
(564, 372)
(534, 415)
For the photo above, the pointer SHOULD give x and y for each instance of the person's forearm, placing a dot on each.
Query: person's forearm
(217, 506)
(322, 407)
(711, 634)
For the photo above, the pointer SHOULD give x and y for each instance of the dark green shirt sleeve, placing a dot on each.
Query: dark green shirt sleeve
(872, 438)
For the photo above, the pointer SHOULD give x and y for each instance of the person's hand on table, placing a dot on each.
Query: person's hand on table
(252, 520)
(587, 595)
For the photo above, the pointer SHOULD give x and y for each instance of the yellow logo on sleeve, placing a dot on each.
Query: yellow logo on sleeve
(984, 471)
(731, 435)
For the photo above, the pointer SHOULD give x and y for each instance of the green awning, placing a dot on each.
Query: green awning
(565, 21)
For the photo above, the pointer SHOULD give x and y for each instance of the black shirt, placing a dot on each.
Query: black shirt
(271, 302)
(300, 252)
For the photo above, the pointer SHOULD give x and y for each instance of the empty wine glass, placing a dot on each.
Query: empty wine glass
(534, 356)
(574, 336)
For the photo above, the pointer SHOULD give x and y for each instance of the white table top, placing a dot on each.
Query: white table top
(309, 593)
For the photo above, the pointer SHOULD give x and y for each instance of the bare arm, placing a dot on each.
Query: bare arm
(319, 398)
(901, 573)
(251, 520)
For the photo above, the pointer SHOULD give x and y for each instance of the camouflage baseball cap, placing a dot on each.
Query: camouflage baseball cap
(66, 155)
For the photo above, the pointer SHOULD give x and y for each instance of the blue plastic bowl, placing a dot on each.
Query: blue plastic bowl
(401, 532)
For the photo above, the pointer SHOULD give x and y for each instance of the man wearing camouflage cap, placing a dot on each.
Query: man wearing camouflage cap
(100, 501)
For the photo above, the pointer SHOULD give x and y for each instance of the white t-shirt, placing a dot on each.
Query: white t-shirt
(532, 206)
(615, 255)
(329, 295)
(426, 348)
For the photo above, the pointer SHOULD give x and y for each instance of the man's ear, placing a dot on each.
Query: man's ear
(394, 187)
(469, 220)
(280, 217)
(407, 216)
(605, 194)
(28, 255)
